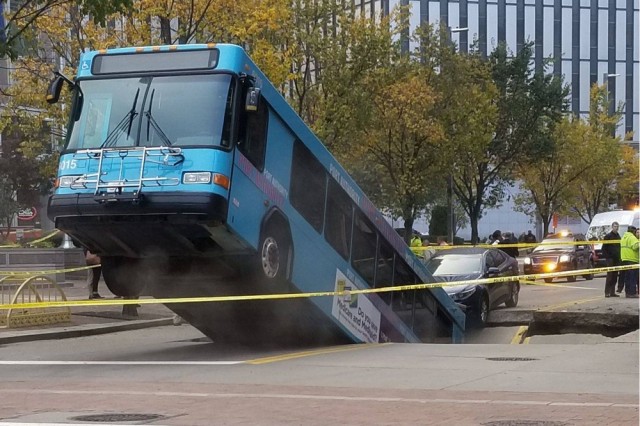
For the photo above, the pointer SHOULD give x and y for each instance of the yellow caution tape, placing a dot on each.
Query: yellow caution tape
(39, 240)
(45, 237)
(47, 272)
(10, 245)
(522, 245)
(311, 294)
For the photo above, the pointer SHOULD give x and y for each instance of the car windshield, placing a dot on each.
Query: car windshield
(154, 111)
(554, 244)
(455, 264)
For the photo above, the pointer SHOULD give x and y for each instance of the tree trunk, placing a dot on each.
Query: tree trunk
(408, 230)
(474, 230)
(165, 30)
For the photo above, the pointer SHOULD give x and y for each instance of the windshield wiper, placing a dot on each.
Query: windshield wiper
(153, 123)
(127, 121)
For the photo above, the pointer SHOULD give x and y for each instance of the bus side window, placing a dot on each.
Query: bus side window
(363, 251)
(384, 269)
(308, 185)
(337, 229)
(252, 134)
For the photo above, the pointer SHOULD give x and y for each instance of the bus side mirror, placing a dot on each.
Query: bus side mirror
(53, 92)
(252, 100)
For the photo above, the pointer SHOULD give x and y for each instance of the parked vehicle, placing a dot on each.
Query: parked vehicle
(560, 252)
(460, 264)
(601, 226)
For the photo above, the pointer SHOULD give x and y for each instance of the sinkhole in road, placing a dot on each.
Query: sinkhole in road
(605, 324)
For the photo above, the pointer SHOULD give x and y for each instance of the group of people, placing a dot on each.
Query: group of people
(498, 238)
(622, 251)
(420, 246)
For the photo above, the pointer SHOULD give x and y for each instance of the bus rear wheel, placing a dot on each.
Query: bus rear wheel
(122, 276)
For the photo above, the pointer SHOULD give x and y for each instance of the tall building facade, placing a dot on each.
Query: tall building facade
(586, 41)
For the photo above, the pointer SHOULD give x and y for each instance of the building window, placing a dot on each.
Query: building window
(603, 35)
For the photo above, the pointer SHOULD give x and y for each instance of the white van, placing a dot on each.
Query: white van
(601, 226)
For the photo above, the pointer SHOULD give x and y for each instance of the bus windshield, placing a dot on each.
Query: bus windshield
(192, 110)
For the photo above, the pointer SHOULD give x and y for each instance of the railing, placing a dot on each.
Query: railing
(30, 289)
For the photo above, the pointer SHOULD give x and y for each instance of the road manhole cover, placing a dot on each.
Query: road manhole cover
(116, 417)
(525, 423)
(512, 359)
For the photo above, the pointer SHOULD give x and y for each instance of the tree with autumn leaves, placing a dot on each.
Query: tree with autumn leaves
(586, 168)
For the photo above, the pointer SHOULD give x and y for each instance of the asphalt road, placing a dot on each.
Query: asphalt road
(172, 373)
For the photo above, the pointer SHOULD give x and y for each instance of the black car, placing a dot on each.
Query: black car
(472, 263)
(560, 252)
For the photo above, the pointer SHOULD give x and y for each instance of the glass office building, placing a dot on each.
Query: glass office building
(587, 41)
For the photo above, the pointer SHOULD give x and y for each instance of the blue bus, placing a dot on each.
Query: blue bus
(190, 175)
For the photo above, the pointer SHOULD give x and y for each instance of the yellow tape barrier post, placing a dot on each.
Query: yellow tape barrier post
(529, 277)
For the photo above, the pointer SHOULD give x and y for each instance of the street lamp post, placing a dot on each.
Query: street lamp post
(451, 218)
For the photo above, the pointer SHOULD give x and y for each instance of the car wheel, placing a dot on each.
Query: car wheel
(548, 280)
(514, 291)
(481, 314)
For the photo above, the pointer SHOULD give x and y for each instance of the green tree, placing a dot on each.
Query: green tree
(528, 105)
(612, 169)
(469, 115)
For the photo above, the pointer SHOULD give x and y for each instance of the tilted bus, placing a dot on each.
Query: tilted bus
(190, 175)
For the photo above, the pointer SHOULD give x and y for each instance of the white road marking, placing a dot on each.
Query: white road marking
(321, 398)
(121, 362)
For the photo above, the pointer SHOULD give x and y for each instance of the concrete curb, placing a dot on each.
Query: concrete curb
(80, 330)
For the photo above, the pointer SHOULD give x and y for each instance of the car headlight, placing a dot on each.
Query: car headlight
(565, 258)
(464, 294)
(196, 177)
(527, 261)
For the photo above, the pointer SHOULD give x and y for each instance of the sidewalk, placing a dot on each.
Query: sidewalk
(90, 320)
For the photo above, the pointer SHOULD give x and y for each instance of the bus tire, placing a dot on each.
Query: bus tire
(275, 253)
(122, 276)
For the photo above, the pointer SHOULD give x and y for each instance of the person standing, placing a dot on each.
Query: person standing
(416, 244)
(530, 238)
(93, 277)
(511, 251)
(496, 237)
(611, 252)
(629, 246)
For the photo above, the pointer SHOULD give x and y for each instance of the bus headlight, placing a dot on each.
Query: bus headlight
(196, 177)
(565, 258)
(67, 181)
(527, 261)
